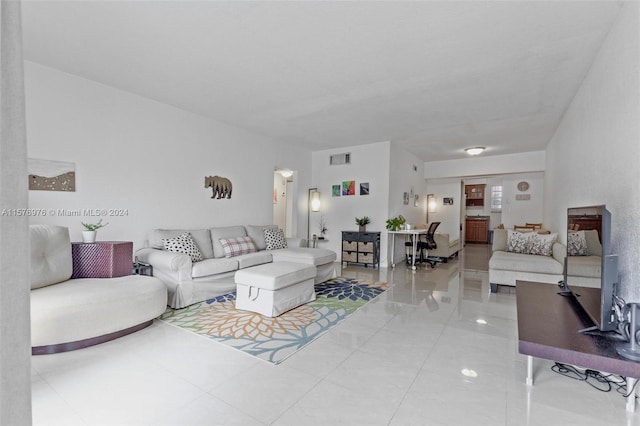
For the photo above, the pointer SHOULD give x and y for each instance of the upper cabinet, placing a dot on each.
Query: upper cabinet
(474, 195)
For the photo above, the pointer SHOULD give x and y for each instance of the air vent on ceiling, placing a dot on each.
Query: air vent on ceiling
(338, 159)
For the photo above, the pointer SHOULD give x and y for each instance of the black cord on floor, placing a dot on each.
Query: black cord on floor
(597, 380)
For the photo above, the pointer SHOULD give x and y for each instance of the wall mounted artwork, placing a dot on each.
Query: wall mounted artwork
(335, 190)
(364, 188)
(447, 201)
(49, 175)
(405, 198)
(349, 187)
(221, 186)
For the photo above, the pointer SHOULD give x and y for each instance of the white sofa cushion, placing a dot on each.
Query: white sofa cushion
(51, 260)
(256, 232)
(275, 275)
(200, 236)
(224, 232)
(310, 256)
(213, 266)
(585, 266)
(502, 260)
(253, 259)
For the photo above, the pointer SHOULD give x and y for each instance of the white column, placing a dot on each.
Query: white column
(15, 319)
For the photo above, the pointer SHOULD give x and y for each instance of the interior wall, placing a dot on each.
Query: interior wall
(147, 160)
(594, 155)
(518, 211)
(369, 164)
(486, 165)
(406, 174)
(447, 215)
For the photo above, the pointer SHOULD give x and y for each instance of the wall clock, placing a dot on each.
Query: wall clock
(523, 186)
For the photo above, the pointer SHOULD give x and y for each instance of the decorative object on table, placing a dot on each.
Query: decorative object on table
(49, 175)
(221, 186)
(323, 226)
(104, 259)
(335, 190)
(349, 187)
(396, 223)
(364, 188)
(142, 268)
(275, 339)
(90, 231)
(362, 223)
(405, 198)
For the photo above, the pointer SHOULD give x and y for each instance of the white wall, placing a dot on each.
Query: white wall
(486, 165)
(519, 212)
(594, 155)
(447, 215)
(369, 163)
(148, 158)
(406, 173)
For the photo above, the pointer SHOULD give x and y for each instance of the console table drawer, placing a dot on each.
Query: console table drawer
(365, 257)
(349, 236)
(349, 256)
(366, 247)
(349, 246)
(369, 236)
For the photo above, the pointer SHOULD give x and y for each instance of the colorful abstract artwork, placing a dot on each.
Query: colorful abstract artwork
(275, 339)
(349, 187)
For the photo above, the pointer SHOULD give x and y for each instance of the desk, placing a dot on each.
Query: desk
(548, 325)
(414, 237)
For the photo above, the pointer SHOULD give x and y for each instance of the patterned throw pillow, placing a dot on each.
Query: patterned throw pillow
(237, 246)
(183, 243)
(577, 244)
(542, 245)
(518, 242)
(274, 237)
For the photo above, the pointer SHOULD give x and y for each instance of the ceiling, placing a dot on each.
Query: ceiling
(434, 77)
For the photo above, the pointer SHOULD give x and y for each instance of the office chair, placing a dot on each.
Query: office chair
(429, 243)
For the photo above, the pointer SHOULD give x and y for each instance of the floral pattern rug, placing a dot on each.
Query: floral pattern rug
(275, 339)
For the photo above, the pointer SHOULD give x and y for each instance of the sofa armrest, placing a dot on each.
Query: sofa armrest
(166, 260)
(559, 252)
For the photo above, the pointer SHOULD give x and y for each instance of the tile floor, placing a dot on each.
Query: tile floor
(397, 361)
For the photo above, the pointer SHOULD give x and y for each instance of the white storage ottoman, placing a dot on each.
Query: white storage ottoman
(274, 288)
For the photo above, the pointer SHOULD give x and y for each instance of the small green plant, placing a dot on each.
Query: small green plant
(94, 226)
(395, 223)
(363, 220)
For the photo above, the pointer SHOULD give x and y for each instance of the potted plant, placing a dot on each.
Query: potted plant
(90, 230)
(362, 223)
(396, 223)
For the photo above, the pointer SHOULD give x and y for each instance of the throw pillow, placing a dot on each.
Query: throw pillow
(274, 237)
(183, 243)
(237, 246)
(577, 244)
(542, 245)
(518, 242)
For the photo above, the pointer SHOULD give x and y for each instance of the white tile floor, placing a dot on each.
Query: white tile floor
(397, 361)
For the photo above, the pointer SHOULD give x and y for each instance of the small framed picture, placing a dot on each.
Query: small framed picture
(405, 198)
(335, 190)
(447, 201)
(416, 200)
(364, 188)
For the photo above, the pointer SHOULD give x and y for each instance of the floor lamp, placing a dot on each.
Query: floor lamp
(313, 205)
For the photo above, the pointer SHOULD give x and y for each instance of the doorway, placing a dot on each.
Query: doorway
(284, 201)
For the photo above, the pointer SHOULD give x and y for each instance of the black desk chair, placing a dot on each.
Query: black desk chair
(427, 243)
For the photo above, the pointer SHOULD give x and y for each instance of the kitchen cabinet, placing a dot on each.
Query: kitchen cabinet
(477, 230)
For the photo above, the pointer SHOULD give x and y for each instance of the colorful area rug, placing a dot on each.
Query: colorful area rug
(275, 339)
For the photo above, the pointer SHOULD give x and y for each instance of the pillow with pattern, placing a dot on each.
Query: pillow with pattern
(542, 245)
(274, 237)
(577, 244)
(518, 242)
(183, 243)
(237, 246)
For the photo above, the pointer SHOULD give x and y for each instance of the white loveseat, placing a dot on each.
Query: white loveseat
(505, 268)
(68, 314)
(446, 248)
(190, 282)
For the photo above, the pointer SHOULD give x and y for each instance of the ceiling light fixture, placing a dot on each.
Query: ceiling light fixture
(475, 150)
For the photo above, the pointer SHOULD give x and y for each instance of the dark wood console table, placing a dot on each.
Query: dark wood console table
(548, 325)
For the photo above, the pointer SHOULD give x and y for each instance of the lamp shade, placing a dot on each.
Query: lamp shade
(315, 201)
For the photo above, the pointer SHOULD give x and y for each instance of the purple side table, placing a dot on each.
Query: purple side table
(102, 259)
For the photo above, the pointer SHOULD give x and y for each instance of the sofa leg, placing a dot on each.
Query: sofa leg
(494, 287)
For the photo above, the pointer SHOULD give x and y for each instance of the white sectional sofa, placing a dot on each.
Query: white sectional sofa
(505, 268)
(189, 282)
(68, 314)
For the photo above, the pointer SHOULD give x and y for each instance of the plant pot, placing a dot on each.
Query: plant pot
(89, 236)
(362, 228)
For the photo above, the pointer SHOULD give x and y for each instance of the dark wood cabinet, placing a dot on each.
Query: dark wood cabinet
(586, 223)
(477, 230)
(361, 247)
(474, 195)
